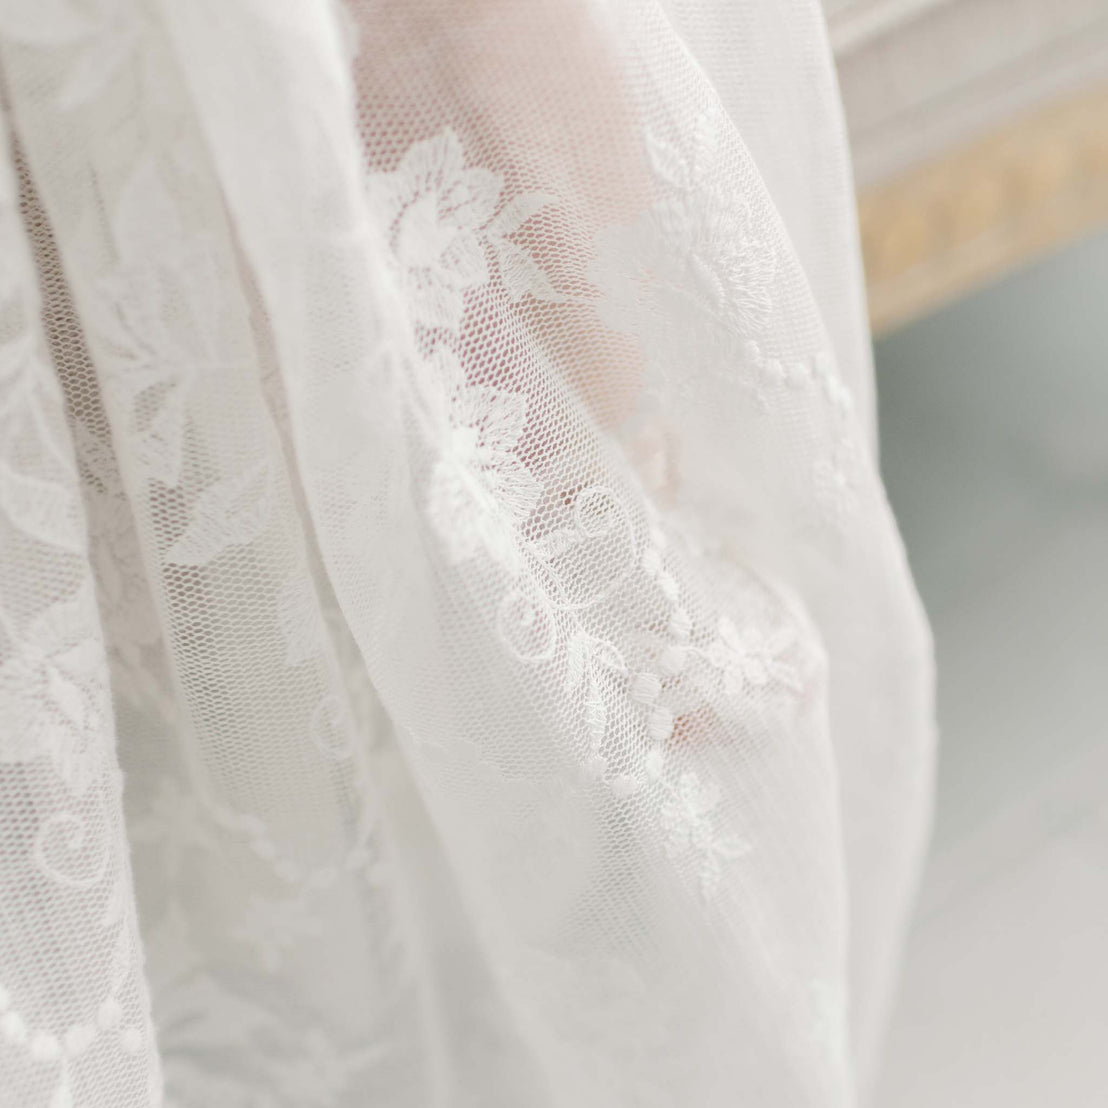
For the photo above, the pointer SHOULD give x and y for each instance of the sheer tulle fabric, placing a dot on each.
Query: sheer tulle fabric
(455, 648)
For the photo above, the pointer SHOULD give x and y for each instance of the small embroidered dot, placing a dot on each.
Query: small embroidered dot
(131, 1040)
(651, 561)
(79, 1038)
(658, 537)
(654, 764)
(45, 1047)
(660, 725)
(824, 365)
(668, 586)
(673, 660)
(597, 766)
(15, 1030)
(680, 624)
(110, 1014)
(646, 688)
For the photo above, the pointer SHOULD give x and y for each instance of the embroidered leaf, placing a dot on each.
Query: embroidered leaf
(576, 653)
(42, 509)
(596, 709)
(516, 212)
(521, 275)
(230, 513)
(437, 209)
(519, 272)
(555, 543)
(605, 654)
(420, 239)
(158, 450)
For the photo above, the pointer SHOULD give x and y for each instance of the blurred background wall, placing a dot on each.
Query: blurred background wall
(994, 439)
(979, 132)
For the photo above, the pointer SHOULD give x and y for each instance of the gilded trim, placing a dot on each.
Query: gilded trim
(955, 223)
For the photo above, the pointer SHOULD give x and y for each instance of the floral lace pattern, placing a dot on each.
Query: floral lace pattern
(481, 494)
(59, 782)
(448, 510)
(443, 231)
(691, 276)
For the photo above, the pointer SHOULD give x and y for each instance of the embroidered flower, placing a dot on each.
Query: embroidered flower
(691, 276)
(441, 224)
(480, 492)
(753, 657)
(435, 209)
(835, 479)
(166, 319)
(689, 823)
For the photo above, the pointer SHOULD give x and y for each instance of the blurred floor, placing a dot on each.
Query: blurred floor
(995, 452)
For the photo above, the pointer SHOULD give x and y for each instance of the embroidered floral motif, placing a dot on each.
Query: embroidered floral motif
(280, 1062)
(693, 269)
(836, 484)
(41, 509)
(753, 657)
(440, 220)
(519, 272)
(73, 848)
(691, 276)
(163, 303)
(526, 625)
(480, 492)
(232, 512)
(42, 505)
(584, 563)
(688, 817)
(590, 666)
(53, 694)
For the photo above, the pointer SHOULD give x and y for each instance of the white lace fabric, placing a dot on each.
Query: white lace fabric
(437, 469)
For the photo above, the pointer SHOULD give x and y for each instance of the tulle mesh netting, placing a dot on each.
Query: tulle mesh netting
(455, 649)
